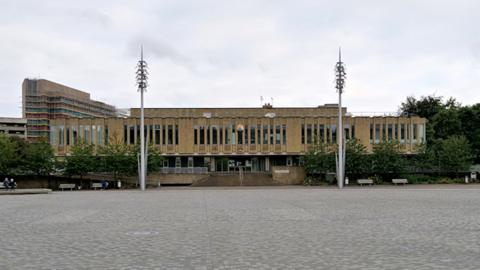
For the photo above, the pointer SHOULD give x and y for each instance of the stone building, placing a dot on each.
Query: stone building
(43, 100)
(225, 139)
(16, 127)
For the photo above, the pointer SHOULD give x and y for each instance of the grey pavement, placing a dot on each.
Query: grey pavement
(243, 228)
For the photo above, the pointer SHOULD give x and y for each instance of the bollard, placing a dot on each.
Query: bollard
(346, 180)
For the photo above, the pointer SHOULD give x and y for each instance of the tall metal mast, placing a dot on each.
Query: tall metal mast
(142, 76)
(340, 82)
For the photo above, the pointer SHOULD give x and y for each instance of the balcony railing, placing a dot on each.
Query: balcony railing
(186, 170)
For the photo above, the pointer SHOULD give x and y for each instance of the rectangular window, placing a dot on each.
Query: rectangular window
(322, 133)
(377, 133)
(170, 134)
(327, 134)
(334, 133)
(202, 135)
(265, 134)
(390, 131)
(164, 137)
(303, 133)
(315, 133)
(421, 135)
(157, 134)
(99, 135)
(402, 133)
(271, 134)
(227, 134)
(240, 136)
(234, 135)
(208, 134)
(74, 135)
(195, 135)
(414, 130)
(68, 136)
(221, 135)
(107, 137)
(408, 132)
(284, 134)
(259, 134)
(60, 135)
(132, 134)
(278, 134)
(53, 135)
(346, 131)
(246, 134)
(87, 134)
(353, 131)
(309, 133)
(176, 134)
(214, 135)
(80, 132)
(252, 135)
(150, 134)
(395, 132)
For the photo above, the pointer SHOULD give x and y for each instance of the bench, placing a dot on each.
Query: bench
(64, 186)
(362, 182)
(399, 181)
(96, 185)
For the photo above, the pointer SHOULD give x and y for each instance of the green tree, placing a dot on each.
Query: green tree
(154, 159)
(454, 154)
(425, 159)
(356, 158)
(387, 158)
(39, 158)
(319, 159)
(116, 158)
(81, 161)
(469, 116)
(7, 154)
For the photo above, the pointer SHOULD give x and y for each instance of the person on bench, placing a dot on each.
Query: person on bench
(13, 185)
(6, 183)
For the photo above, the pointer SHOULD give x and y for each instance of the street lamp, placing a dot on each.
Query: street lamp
(340, 83)
(142, 76)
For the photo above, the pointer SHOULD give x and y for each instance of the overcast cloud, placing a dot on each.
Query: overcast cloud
(229, 53)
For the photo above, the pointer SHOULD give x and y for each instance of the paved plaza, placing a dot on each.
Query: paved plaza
(243, 228)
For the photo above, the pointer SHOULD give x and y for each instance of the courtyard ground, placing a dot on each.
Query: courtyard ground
(413, 227)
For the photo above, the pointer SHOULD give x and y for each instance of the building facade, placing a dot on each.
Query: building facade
(16, 127)
(224, 139)
(43, 100)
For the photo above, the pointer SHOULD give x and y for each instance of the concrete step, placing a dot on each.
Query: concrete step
(249, 179)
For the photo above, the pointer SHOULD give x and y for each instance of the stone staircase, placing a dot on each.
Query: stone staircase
(233, 179)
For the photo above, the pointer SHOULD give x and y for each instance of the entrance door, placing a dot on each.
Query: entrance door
(255, 165)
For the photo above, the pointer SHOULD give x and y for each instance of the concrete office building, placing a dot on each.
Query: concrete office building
(222, 139)
(43, 100)
(16, 127)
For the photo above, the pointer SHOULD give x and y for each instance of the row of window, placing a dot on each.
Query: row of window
(156, 134)
(95, 134)
(401, 132)
(325, 133)
(231, 134)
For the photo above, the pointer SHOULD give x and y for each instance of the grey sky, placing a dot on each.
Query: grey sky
(229, 53)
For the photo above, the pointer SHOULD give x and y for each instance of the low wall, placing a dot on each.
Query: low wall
(288, 175)
(174, 179)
